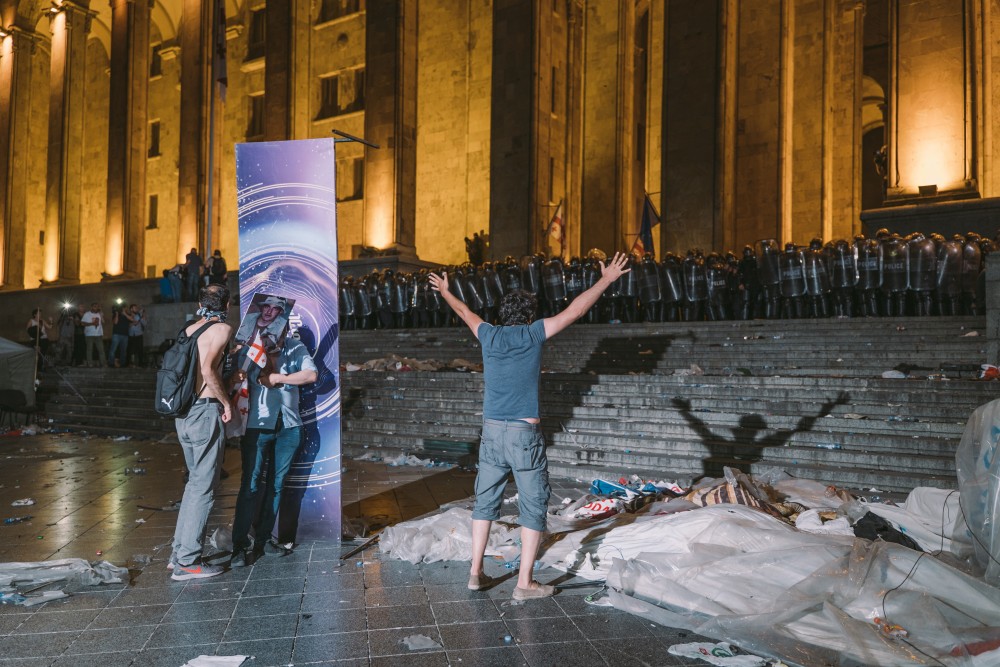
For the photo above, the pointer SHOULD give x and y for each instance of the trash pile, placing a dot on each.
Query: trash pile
(395, 362)
(784, 567)
(22, 583)
(404, 460)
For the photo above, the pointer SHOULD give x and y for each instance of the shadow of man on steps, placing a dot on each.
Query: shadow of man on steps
(750, 438)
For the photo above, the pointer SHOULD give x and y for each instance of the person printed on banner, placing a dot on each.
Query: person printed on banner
(269, 446)
(266, 319)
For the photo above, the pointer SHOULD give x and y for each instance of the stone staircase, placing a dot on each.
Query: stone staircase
(806, 396)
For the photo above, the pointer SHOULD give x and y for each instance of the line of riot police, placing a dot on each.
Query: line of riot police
(887, 275)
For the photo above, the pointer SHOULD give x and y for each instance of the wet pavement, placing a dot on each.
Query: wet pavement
(307, 608)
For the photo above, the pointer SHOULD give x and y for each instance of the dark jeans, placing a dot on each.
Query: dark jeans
(267, 458)
(136, 351)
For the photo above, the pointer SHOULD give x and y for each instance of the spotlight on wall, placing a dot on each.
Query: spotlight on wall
(927, 190)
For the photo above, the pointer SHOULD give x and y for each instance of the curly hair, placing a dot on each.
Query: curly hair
(214, 297)
(518, 307)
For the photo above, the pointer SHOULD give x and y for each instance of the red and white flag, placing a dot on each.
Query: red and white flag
(256, 352)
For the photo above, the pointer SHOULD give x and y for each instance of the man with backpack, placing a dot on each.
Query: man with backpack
(189, 387)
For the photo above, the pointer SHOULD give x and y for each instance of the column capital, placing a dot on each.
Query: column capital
(73, 9)
(22, 38)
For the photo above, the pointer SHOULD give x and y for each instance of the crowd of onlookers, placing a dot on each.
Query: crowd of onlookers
(886, 275)
(77, 338)
(182, 281)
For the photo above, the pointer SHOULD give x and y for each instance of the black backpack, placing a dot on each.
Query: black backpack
(175, 390)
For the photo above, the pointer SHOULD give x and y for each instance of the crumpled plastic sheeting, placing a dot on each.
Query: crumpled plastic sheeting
(923, 516)
(735, 574)
(70, 570)
(978, 468)
(447, 536)
(216, 661)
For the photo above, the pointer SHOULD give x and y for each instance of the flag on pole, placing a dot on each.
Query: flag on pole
(219, 49)
(556, 230)
(650, 218)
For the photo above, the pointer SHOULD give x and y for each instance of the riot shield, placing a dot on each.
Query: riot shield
(949, 269)
(894, 272)
(843, 269)
(921, 264)
(793, 275)
(670, 279)
(695, 279)
(553, 280)
(971, 265)
(531, 274)
(868, 253)
(650, 287)
(768, 262)
(817, 278)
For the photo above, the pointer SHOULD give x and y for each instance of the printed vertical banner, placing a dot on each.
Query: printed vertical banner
(287, 207)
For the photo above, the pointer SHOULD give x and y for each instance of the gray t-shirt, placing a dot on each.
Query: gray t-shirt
(512, 361)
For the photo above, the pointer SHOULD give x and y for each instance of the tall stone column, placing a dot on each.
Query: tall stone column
(70, 23)
(16, 52)
(278, 71)
(196, 90)
(391, 122)
(125, 238)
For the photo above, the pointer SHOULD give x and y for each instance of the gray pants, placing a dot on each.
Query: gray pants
(203, 438)
(96, 343)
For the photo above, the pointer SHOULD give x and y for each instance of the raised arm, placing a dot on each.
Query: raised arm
(440, 284)
(579, 306)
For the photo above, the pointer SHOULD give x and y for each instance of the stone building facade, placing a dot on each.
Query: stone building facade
(741, 120)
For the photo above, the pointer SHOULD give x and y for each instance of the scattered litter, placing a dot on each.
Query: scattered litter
(135, 471)
(172, 507)
(222, 538)
(17, 519)
(19, 600)
(513, 499)
(718, 654)
(216, 661)
(854, 415)
(23, 502)
(394, 362)
(140, 560)
(507, 639)
(694, 369)
(893, 375)
(140, 521)
(71, 570)
(420, 643)
(970, 334)
(989, 372)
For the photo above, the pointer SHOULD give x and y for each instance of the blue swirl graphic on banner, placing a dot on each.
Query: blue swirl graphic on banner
(286, 204)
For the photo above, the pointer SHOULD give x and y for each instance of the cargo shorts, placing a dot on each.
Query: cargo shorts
(516, 447)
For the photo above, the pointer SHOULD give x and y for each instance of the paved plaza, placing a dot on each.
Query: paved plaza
(308, 608)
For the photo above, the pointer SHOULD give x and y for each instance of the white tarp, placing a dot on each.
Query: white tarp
(730, 572)
(978, 470)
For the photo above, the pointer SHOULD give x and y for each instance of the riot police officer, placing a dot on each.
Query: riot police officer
(748, 284)
(492, 291)
(346, 302)
(843, 277)
(817, 279)
(769, 272)
(972, 259)
(894, 275)
(695, 286)
(793, 282)
(398, 303)
(650, 288)
(673, 288)
(921, 266)
(869, 264)
(554, 286)
(718, 288)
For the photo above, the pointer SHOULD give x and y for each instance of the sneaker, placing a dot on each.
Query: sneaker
(274, 547)
(196, 571)
(542, 591)
(240, 558)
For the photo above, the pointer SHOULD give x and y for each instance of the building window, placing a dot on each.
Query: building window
(154, 139)
(350, 179)
(156, 61)
(154, 206)
(342, 93)
(330, 10)
(257, 35)
(255, 114)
